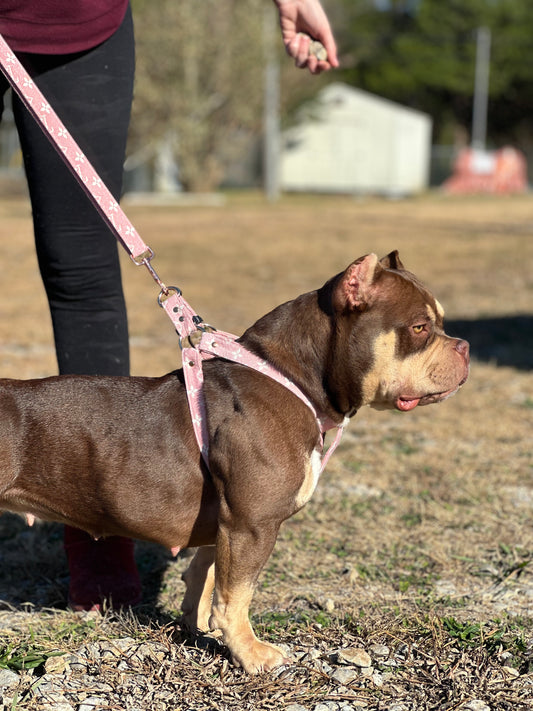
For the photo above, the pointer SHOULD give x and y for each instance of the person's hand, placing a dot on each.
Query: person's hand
(301, 21)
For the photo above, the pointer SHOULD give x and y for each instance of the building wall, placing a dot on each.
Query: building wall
(352, 141)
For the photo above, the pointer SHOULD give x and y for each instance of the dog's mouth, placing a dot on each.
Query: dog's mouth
(405, 404)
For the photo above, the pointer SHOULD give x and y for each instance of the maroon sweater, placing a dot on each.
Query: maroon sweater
(59, 26)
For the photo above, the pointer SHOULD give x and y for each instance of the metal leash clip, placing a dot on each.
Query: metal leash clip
(145, 260)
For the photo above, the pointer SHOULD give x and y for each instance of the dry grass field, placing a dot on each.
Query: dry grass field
(418, 543)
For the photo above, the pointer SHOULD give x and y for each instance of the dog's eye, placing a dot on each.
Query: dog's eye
(419, 328)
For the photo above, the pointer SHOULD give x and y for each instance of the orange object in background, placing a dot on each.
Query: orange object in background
(502, 171)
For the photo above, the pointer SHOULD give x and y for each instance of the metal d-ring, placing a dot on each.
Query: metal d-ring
(165, 293)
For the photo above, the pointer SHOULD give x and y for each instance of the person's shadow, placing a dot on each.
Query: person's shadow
(34, 572)
(34, 577)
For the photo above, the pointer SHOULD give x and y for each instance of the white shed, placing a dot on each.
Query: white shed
(350, 141)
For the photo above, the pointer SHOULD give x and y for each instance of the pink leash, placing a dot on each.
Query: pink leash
(185, 320)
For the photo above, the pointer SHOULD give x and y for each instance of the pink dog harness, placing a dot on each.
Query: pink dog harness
(224, 345)
(184, 318)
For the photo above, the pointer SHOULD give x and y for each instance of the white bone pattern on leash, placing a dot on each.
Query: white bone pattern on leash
(184, 318)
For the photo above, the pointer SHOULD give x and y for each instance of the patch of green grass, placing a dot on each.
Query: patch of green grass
(401, 444)
(411, 519)
(340, 549)
(504, 562)
(410, 568)
(353, 465)
(456, 603)
(57, 634)
(26, 656)
(359, 508)
(494, 635)
(271, 622)
(514, 560)
(68, 631)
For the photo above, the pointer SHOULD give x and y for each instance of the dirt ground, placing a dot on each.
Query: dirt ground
(421, 528)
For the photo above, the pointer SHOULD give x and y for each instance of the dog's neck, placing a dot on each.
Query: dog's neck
(300, 348)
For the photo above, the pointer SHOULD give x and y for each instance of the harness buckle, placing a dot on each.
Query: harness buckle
(193, 339)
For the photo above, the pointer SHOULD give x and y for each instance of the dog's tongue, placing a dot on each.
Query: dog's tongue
(406, 405)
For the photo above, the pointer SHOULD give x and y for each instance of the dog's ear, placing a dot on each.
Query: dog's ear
(392, 261)
(355, 288)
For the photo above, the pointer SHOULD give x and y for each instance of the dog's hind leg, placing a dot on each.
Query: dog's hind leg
(200, 580)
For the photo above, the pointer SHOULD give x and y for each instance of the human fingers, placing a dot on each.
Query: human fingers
(311, 54)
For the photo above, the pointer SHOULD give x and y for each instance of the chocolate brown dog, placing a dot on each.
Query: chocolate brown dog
(117, 456)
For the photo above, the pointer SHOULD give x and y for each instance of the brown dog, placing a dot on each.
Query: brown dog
(117, 456)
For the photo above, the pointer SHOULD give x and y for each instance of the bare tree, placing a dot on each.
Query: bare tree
(199, 80)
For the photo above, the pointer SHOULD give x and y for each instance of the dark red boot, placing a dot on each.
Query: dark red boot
(103, 570)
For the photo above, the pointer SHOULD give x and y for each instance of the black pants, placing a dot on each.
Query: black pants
(78, 257)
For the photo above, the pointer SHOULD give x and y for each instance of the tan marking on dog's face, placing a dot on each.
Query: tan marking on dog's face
(431, 372)
(431, 313)
(383, 367)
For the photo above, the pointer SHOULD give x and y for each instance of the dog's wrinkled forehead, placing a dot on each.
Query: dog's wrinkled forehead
(414, 317)
(412, 300)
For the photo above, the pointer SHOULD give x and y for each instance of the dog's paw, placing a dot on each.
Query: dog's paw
(259, 657)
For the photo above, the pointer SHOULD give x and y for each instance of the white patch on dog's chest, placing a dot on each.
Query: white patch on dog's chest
(312, 475)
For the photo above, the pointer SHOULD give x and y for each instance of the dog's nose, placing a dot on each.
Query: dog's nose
(463, 348)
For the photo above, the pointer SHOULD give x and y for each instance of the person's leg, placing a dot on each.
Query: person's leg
(92, 94)
(78, 257)
(4, 86)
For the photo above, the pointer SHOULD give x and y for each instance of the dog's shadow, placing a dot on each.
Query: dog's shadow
(34, 572)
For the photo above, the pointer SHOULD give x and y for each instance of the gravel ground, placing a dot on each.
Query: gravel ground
(129, 672)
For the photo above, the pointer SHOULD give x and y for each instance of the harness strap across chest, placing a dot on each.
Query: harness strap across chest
(225, 345)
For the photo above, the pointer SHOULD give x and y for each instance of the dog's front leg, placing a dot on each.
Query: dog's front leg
(200, 580)
(240, 556)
